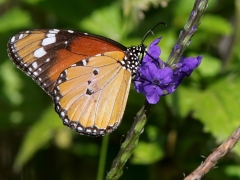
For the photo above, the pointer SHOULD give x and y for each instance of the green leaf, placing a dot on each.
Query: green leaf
(11, 82)
(218, 108)
(181, 8)
(105, 21)
(133, 11)
(37, 137)
(152, 132)
(147, 153)
(2, 1)
(187, 97)
(33, 2)
(15, 18)
(210, 66)
(233, 170)
(208, 23)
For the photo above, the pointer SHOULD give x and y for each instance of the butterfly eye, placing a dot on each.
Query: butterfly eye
(87, 76)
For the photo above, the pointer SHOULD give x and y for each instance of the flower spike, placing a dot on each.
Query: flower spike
(155, 79)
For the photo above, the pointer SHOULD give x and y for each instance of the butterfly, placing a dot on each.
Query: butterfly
(88, 76)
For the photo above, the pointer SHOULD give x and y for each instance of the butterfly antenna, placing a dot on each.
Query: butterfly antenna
(151, 31)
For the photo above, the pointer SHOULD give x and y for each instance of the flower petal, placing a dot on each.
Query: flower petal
(148, 88)
(187, 65)
(164, 75)
(152, 98)
(153, 52)
(148, 71)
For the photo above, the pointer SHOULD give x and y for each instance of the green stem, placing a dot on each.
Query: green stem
(130, 142)
(103, 155)
(184, 39)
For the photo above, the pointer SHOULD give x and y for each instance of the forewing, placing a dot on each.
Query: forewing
(44, 54)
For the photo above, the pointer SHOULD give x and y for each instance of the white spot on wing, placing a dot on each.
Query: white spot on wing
(39, 52)
(84, 62)
(79, 128)
(70, 31)
(62, 114)
(50, 35)
(54, 31)
(21, 36)
(34, 65)
(48, 41)
(13, 39)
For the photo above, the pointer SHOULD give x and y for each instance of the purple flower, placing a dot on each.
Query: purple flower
(152, 81)
(155, 79)
(187, 65)
(184, 68)
(153, 54)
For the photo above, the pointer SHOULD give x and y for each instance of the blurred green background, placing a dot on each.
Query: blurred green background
(184, 126)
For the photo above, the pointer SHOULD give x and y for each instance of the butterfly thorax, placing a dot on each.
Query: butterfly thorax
(132, 59)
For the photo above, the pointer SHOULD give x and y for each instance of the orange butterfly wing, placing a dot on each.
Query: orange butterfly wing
(91, 98)
(44, 54)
